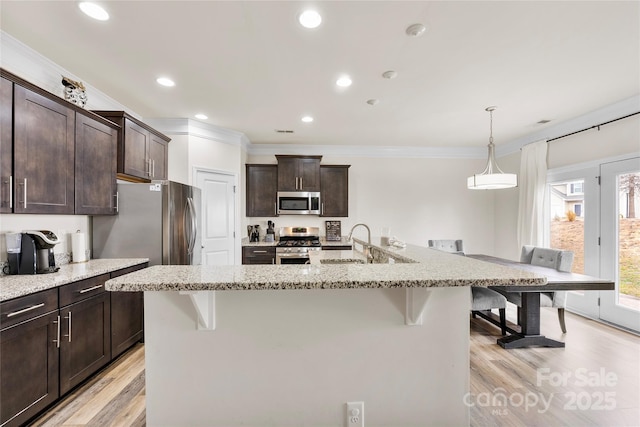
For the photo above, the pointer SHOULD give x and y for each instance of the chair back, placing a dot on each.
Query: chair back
(545, 257)
(453, 246)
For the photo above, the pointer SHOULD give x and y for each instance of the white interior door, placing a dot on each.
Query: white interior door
(218, 216)
(620, 242)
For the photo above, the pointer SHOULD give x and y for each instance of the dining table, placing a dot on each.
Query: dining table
(529, 335)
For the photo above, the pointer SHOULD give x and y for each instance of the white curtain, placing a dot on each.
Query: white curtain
(532, 183)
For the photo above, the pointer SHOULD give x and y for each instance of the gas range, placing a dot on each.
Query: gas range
(295, 243)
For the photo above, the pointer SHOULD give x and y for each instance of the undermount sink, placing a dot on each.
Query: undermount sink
(342, 261)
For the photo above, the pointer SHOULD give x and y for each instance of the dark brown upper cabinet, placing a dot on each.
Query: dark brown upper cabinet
(142, 150)
(6, 146)
(298, 173)
(43, 153)
(96, 161)
(334, 187)
(262, 188)
(56, 157)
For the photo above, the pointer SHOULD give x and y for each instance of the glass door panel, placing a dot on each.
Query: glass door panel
(620, 242)
(572, 224)
(566, 229)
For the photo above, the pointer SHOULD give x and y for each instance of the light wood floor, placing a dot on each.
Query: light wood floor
(589, 396)
(114, 397)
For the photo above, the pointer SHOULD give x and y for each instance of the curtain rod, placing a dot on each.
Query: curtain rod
(594, 127)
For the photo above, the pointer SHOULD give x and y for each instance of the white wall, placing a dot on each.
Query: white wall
(621, 138)
(418, 198)
(61, 225)
(295, 357)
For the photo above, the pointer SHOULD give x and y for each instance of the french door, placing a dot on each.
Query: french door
(594, 211)
(620, 242)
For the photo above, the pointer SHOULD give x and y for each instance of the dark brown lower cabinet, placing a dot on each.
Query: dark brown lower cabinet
(85, 344)
(51, 341)
(127, 316)
(258, 255)
(28, 368)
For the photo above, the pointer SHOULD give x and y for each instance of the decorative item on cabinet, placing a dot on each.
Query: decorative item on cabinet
(74, 92)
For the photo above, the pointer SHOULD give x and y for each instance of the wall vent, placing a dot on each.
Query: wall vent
(284, 131)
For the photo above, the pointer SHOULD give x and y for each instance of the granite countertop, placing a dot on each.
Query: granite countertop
(429, 268)
(20, 285)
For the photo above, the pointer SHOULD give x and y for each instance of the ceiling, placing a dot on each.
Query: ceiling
(250, 67)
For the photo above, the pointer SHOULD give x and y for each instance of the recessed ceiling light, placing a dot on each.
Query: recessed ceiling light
(310, 19)
(307, 119)
(201, 116)
(93, 10)
(344, 81)
(415, 30)
(165, 81)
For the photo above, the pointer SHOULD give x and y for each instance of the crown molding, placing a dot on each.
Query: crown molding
(370, 151)
(593, 118)
(30, 65)
(190, 127)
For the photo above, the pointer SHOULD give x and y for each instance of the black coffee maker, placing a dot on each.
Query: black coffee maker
(35, 255)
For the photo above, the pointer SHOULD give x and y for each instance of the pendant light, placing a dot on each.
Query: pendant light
(492, 178)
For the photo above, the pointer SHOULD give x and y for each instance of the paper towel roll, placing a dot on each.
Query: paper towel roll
(79, 247)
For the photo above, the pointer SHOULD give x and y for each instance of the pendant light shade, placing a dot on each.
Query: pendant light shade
(492, 178)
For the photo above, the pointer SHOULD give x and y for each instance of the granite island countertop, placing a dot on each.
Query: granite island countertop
(418, 267)
(19, 285)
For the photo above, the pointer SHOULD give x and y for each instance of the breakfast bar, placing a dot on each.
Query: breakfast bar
(295, 343)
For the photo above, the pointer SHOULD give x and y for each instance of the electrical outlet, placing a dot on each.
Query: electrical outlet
(355, 414)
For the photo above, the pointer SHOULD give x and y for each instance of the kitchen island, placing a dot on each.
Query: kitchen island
(289, 345)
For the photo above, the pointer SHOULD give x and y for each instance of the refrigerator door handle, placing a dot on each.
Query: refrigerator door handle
(187, 231)
(194, 225)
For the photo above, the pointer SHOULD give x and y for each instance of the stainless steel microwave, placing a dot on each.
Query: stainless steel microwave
(298, 203)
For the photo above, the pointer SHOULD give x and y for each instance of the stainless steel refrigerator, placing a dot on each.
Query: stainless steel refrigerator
(159, 221)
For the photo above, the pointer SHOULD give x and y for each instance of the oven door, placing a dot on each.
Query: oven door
(289, 258)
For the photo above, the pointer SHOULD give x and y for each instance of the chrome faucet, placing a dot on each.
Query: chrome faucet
(365, 249)
(365, 226)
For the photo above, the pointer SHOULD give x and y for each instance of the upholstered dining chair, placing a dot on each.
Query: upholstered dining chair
(558, 259)
(482, 299)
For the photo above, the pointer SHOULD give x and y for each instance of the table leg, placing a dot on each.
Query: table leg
(529, 335)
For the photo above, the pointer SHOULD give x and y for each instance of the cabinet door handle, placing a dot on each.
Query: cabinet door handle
(11, 192)
(117, 196)
(69, 320)
(24, 203)
(25, 310)
(93, 288)
(322, 204)
(296, 182)
(301, 186)
(275, 208)
(57, 340)
(259, 252)
(153, 172)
